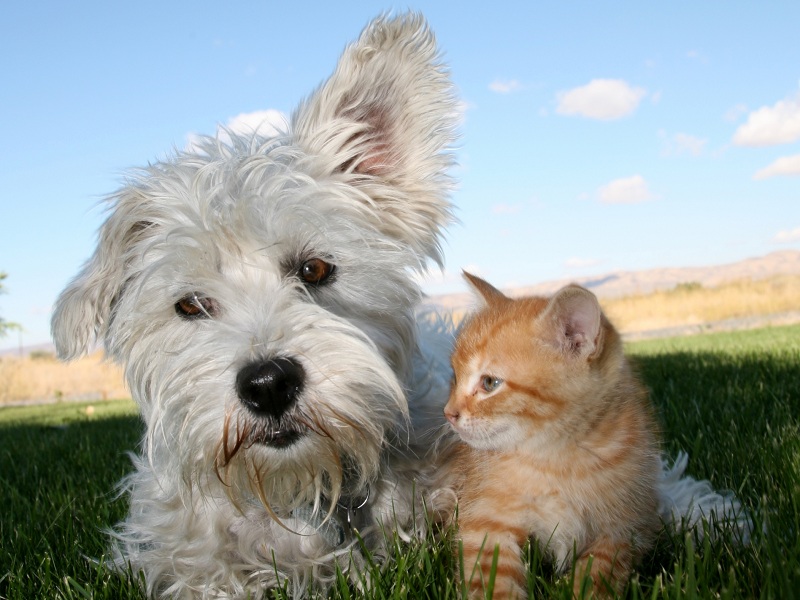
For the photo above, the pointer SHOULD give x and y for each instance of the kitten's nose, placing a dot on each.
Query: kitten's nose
(270, 387)
(451, 414)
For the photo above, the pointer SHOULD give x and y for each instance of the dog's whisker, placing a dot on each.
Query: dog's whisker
(350, 423)
(241, 434)
(315, 426)
(259, 487)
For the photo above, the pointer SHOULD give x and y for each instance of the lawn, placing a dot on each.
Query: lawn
(731, 400)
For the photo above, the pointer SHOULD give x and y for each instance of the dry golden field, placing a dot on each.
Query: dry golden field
(736, 305)
(692, 304)
(43, 378)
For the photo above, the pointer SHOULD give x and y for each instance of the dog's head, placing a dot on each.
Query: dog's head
(260, 292)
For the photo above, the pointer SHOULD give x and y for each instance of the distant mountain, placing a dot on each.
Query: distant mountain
(627, 283)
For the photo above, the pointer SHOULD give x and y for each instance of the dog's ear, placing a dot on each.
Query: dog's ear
(84, 309)
(385, 120)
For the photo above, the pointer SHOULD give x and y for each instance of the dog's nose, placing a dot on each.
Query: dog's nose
(270, 387)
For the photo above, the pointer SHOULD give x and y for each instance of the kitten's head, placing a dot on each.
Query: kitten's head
(530, 369)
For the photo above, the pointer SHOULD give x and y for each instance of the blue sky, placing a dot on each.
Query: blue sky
(597, 136)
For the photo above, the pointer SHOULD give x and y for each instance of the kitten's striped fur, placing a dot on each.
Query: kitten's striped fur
(560, 442)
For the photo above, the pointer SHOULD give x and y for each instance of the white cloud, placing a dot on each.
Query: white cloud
(505, 86)
(771, 125)
(506, 209)
(735, 113)
(697, 55)
(787, 236)
(690, 144)
(786, 165)
(460, 111)
(682, 143)
(627, 190)
(580, 263)
(603, 99)
(266, 123)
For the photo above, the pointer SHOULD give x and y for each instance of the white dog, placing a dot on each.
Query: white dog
(261, 294)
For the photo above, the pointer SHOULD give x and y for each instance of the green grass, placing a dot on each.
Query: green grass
(731, 400)
(58, 469)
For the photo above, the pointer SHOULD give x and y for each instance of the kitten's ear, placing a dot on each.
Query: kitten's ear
(485, 290)
(573, 318)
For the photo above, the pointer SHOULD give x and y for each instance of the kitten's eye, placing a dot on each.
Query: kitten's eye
(489, 383)
(195, 306)
(316, 271)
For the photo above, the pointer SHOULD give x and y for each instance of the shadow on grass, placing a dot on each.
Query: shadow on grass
(737, 415)
(58, 495)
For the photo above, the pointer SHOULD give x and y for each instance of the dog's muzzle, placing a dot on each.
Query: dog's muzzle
(269, 388)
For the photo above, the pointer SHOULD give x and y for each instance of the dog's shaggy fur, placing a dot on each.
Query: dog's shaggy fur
(261, 295)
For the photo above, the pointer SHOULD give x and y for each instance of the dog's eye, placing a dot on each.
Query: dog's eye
(195, 306)
(316, 271)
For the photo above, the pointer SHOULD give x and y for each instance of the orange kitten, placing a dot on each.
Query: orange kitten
(561, 442)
